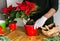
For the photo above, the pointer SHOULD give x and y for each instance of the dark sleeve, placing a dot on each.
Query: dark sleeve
(54, 4)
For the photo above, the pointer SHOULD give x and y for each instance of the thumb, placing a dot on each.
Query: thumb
(35, 26)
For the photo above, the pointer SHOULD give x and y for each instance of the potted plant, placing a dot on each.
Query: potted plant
(27, 9)
(23, 11)
(10, 14)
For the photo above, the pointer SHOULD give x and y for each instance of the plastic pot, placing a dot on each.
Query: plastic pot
(30, 31)
(12, 26)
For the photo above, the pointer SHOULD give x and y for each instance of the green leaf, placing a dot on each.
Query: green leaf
(12, 16)
(37, 7)
(24, 15)
(18, 14)
(55, 38)
(32, 13)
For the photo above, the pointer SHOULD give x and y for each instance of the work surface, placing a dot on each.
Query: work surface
(20, 35)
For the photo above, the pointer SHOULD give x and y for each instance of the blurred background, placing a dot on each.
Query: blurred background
(6, 3)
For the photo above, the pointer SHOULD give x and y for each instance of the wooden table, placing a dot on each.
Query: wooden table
(20, 35)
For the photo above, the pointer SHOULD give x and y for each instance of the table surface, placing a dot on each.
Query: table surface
(20, 35)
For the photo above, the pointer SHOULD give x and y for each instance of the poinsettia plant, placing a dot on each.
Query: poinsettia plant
(22, 10)
(26, 9)
(10, 13)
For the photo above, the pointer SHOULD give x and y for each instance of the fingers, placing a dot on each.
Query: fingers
(35, 26)
(38, 24)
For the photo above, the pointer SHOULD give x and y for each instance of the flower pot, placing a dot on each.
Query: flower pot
(1, 31)
(30, 31)
(12, 26)
(3, 25)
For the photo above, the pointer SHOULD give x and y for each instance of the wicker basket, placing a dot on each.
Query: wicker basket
(50, 30)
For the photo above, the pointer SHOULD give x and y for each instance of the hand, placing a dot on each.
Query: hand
(25, 21)
(40, 22)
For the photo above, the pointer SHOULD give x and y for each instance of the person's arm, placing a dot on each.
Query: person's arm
(54, 7)
(50, 13)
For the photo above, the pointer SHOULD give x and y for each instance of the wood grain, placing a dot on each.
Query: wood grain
(20, 35)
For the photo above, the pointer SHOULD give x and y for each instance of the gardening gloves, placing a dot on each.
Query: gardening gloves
(25, 21)
(40, 22)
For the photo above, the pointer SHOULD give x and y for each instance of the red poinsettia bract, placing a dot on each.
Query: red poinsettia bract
(5, 10)
(27, 7)
(8, 9)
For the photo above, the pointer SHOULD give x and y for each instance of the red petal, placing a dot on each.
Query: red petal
(0, 27)
(27, 12)
(5, 10)
(23, 3)
(27, 3)
(17, 8)
(33, 7)
(19, 4)
(23, 7)
(10, 8)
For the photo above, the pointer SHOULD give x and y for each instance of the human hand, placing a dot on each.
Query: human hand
(40, 22)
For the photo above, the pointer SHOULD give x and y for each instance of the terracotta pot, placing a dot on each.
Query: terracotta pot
(12, 26)
(30, 31)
